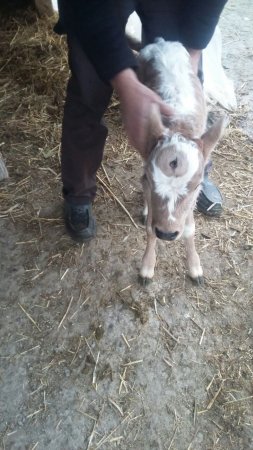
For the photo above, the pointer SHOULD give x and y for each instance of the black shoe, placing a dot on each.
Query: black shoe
(79, 221)
(210, 199)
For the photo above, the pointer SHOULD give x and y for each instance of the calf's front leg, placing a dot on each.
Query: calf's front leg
(149, 259)
(192, 257)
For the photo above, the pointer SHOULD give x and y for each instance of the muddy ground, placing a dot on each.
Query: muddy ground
(89, 358)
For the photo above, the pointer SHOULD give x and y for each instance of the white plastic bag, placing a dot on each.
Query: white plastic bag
(133, 27)
(217, 86)
(55, 5)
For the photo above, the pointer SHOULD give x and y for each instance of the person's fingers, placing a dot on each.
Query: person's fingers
(166, 110)
(138, 136)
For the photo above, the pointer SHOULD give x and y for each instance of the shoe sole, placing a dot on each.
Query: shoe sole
(215, 211)
(205, 206)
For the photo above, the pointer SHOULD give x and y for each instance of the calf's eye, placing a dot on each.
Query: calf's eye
(173, 164)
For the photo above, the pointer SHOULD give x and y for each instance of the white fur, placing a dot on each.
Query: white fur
(173, 187)
(189, 230)
(174, 84)
(217, 86)
(147, 272)
(196, 271)
(145, 210)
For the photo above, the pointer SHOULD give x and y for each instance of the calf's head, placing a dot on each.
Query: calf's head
(174, 169)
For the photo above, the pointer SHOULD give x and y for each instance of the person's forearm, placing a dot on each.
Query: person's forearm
(122, 79)
(198, 21)
(136, 102)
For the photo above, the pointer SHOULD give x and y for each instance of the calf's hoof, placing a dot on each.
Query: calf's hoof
(144, 281)
(198, 281)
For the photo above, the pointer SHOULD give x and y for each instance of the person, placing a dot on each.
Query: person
(101, 61)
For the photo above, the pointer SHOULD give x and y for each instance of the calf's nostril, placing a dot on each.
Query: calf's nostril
(165, 235)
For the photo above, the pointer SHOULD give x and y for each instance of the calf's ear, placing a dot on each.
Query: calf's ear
(211, 137)
(155, 130)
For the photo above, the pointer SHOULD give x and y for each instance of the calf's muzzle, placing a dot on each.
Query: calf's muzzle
(165, 235)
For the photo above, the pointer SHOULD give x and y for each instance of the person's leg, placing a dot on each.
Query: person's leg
(84, 134)
(196, 33)
(159, 18)
(83, 139)
(167, 19)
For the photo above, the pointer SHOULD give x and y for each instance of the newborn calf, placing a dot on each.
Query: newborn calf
(176, 152)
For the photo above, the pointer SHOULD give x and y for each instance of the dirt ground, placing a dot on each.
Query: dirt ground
(89, 358)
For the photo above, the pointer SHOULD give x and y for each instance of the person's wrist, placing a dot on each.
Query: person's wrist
(122, 79)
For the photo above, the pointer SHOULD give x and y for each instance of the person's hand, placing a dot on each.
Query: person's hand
(136, 102)
(195, 58)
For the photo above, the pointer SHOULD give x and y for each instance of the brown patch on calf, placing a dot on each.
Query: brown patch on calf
(164, 160)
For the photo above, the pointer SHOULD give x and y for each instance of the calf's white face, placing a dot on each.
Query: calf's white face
(172, 179)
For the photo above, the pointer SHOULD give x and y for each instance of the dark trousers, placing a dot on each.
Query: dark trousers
(84, 131)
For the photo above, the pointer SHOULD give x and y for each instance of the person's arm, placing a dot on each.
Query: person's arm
(97, 27)
(198, 21)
